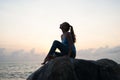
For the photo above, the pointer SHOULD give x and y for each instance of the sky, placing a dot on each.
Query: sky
(27, 25)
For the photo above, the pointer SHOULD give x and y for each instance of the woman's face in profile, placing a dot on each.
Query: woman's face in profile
(61, 26)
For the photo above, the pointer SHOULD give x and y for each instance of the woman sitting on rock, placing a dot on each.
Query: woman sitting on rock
(66, 47)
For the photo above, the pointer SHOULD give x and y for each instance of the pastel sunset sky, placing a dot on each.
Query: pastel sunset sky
(34, 24)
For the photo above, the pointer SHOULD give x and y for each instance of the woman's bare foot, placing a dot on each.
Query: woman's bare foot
(48, 58)
(45, 60)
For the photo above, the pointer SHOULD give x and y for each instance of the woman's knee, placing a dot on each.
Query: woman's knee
(56, 42)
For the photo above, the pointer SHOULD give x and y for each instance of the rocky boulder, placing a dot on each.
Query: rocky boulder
(64, 68)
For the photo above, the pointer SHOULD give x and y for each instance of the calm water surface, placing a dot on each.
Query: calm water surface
(17, 70)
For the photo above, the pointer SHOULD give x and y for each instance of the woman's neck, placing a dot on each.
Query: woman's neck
(64, 32)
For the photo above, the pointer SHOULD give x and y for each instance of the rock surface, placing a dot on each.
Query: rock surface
(63, 68)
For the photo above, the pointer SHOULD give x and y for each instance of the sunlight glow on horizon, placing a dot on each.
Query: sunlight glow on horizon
(27, 24)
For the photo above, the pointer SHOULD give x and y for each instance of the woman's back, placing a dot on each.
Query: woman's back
(66, 42)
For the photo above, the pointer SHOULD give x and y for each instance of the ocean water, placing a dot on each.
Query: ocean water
(17, 70)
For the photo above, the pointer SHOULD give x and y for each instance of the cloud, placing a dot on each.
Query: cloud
(20, 55)
(89, 54)
(102, 52)
(2, 51)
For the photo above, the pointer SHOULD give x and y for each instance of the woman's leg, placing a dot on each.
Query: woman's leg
(56, 44)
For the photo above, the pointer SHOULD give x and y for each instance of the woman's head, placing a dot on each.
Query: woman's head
(65, 26)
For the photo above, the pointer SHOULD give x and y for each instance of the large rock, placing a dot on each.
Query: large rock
(64, 68)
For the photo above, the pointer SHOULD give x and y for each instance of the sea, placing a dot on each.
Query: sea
(17, 70)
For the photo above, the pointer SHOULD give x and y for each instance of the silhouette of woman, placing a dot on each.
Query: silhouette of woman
(66, 47)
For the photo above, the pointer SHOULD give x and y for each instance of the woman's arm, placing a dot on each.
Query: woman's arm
(61, 37)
